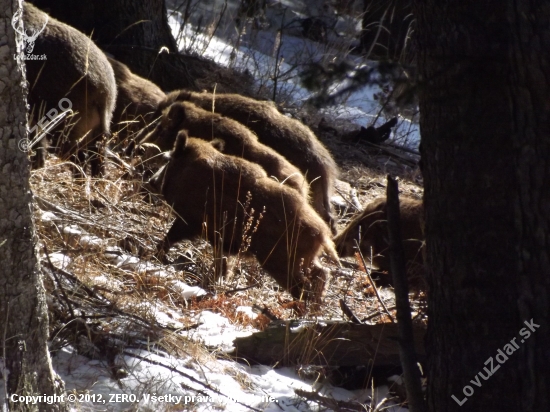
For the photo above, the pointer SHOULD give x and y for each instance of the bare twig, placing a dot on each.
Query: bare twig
(388, 149)
(372, 282)
(354, 199)
(58, 281)
(191, 378)
(265, 311)
(277, 63)
(348, 312)
(351, 202)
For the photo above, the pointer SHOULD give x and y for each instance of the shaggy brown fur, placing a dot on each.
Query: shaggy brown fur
(136, 103)
(370, 229)
(239, 141)
(289, 137)
(75, 68)
(204, 185)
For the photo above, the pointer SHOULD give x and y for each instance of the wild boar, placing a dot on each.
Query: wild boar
(75, 69)
(136, 103)
(289, 137)
(370, 229)
(214, 194)
(238, 140)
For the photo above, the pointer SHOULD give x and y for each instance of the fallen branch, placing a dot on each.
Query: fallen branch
(348, 312)
(301, 342)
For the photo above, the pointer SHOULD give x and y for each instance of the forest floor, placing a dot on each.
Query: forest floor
(110, 299)
(107, 292)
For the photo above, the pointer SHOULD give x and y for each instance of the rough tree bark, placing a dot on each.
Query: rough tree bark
(23, 311)
(485, 117)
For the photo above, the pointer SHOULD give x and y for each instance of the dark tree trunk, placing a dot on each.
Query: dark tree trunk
(485, 119)
(23, 310)
(135, 32)
(116, 22)
(387, 29)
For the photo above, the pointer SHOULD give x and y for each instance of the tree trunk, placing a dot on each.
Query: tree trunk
(120, 22)
(134, 32)
(386, 29)
(23, 310)
(485, 113)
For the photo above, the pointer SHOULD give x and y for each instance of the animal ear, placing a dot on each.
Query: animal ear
(182, 95)
(181, 143)
(176, 113)
(218, 144)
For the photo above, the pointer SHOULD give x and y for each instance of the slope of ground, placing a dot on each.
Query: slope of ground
(122, 323)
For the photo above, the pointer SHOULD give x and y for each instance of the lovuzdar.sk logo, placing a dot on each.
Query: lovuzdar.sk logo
(18, 25)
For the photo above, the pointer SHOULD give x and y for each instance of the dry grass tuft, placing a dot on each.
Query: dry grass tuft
(108, 292)
(102, 226)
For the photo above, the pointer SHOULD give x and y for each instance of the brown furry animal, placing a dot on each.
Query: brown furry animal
(238, 140)
(75, 69)
(136, 103)
(204, 185)
(370, 229)
(289, 137)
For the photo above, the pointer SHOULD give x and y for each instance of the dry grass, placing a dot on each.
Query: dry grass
(97, 240)
(98, 221)
(109, 293)
(106, 300)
